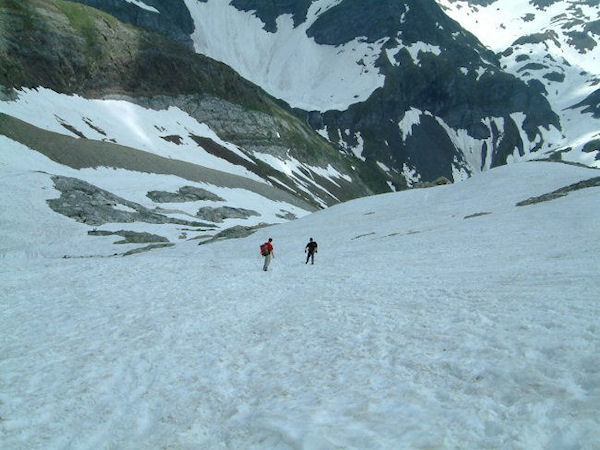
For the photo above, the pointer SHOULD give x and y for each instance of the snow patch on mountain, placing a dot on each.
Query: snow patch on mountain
(500, 23)
(422, 47)
(299, 172)
(411, 175)
(359, 148)
(323, 132)
(287, 63)
(143, 6)
(319, 7)
(413, 49)
(476, 152)
(411, 118)
(343, 142)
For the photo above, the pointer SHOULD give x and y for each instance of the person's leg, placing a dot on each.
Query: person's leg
(267, 262)
(307, 257)
(312, 258)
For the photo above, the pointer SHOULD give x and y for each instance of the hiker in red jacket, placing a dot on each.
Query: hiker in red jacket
(267, 251)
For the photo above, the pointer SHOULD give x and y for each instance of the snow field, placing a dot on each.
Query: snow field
(287, 63)
(47, 234)
(124, 123)
(415, 328)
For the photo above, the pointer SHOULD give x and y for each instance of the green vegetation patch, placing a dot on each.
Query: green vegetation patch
(82, 21)
(19, 8)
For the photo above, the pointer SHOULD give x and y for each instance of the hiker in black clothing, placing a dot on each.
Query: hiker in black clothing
(310, 250)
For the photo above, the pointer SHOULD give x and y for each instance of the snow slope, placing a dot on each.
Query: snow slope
(124, 123)
(28, 173)
(287, 64)
(436, 318)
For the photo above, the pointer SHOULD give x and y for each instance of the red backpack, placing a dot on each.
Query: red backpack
(264, 249)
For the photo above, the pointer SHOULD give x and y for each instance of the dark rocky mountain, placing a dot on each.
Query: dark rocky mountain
(445, 107)
(463, 86)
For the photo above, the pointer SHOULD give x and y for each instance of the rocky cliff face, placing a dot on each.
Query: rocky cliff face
(410, 91)
(553, 45)
(454, 86)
